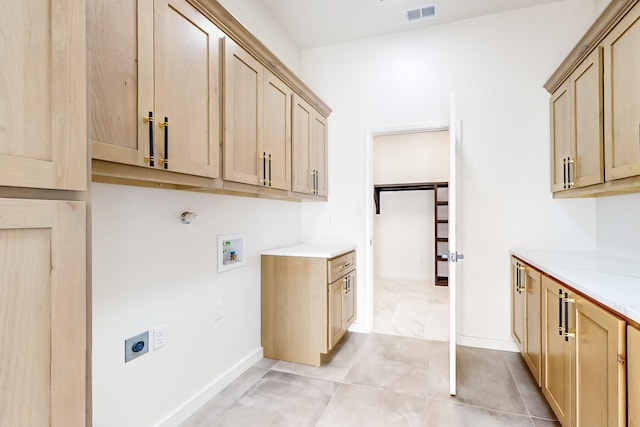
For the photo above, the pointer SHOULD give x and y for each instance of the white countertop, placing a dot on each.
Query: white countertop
(613, 281)
(312, 250)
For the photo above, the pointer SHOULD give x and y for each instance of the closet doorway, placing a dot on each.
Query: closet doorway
(410, 171)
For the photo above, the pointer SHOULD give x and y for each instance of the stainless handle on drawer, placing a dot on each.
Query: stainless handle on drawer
(342, 267)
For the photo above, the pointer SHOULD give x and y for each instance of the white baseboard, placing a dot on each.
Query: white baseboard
(488, 343)
(190, 407)
(360, 327)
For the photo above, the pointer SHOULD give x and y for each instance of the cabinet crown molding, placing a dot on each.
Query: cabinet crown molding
(609, 17)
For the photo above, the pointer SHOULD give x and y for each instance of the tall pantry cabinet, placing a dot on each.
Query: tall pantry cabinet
(42, 241)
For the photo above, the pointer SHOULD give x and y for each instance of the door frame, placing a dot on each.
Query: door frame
(369, 209)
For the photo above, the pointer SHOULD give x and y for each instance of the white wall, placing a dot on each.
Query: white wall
(497, 65)
(149, 269)
(253, 16)
(618, 225)
(404, 229)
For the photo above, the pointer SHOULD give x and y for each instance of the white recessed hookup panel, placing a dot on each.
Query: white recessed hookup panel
(231, 251)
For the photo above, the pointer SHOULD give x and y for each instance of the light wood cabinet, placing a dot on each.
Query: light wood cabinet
(43, 96)
(621, 89)
(307, 305)
(583, 364)
(633, 376)
(517, 303)
(257, 144)
(526, 294)
(42, 313)
(558, 351)
(576, 128)
(600, 374)
(155, 86)
(309, 149)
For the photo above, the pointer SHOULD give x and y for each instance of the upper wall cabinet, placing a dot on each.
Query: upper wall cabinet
(257, 143)
(595, 109)
(622, 98)
(155, 86)
(309, 149)
(43, 94)
(576, 123)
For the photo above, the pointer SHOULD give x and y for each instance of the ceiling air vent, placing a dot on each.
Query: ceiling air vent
(422, 12)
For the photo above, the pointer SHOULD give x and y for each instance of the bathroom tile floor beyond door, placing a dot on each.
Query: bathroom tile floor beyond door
(382, 380)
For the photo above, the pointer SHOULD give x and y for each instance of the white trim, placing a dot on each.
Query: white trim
(488, 343)
(360, 328)
(200, 399)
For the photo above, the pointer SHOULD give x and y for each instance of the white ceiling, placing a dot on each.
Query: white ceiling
(313, 23)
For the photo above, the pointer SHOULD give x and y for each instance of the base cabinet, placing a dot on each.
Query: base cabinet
(308, 303)
(581, 359)
(526, 294)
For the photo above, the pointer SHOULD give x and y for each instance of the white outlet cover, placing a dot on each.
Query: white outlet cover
(159, 336)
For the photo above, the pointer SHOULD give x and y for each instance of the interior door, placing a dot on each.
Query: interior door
(455, 256)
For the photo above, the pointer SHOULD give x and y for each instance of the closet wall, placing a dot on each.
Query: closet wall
(404, 229)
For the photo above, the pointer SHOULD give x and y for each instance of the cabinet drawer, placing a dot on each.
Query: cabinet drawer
(341, 265)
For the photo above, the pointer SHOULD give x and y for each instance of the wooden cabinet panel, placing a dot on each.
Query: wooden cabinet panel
(557, 375)
(43, 94)
(161, 57)
(309, 149)
(532, 347)
(42, 310)
(187, 80)
(121, 79)
(587, 167)
(517, 303)
(599, 378)
(560, 136)
(277, 131)
(633, 376)
(243, 115)
(576, 123)
(621, 94)
(349, 301)
(336, 323)
(301, 146)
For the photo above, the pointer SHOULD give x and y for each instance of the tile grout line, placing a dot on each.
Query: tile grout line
(524, 402)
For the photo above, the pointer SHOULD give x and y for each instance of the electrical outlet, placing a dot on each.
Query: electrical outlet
(159, 336)
(218, 310)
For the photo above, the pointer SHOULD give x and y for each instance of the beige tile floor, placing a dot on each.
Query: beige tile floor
(410, 308)
(382, 380)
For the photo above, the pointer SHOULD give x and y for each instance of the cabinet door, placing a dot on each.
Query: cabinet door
(121, 79)
(302, 176)
(319, 153)
(633, 376)
(557, 352)
(561, 123)
(349, 301)
(277, 132)
(600, 372)
(517, 303)
(587, 167)
(243, 115)
(43, 94)
(187, 62)
(532, 348)
(336, 323)
(42, 313)
(621, 94)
